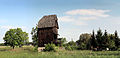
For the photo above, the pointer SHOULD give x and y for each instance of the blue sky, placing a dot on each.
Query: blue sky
(75, 16)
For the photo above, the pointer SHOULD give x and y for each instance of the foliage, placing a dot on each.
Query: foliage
(99, 37)
(93, 41)
(16, 37)
(111, 44)
(117, 40)
(69, 48)
(50, 47)
(71, 45)
(2, 44)
(61, 41)
(36, 48)
(34, 35)
(105, 40)
(83, 41)
(102, 41)
(118, 49)
(82, 46)
(99, 41)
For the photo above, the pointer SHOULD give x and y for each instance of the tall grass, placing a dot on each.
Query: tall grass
(28, 52)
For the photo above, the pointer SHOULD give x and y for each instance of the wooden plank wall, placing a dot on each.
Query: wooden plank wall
(45, 36)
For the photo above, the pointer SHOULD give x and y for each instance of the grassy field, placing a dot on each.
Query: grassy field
(28, 52)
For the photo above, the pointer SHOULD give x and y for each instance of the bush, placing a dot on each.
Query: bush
(50, 47)
(82, 46)
(36, 48)
(71, 48)
(2, 44)
(118, 49)
(68, 48)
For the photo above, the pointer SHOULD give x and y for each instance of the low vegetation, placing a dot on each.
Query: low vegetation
(50, 47)
(28, 52)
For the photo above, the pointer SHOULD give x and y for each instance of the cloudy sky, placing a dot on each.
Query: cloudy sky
(75, 16)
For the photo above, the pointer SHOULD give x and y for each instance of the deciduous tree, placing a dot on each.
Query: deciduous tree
(34, 35)
(16, 37)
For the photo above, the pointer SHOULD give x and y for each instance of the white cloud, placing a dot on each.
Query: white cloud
(90, 12)
(66, 19)
(81, 16)
(72, 20)
(88, 18)
(79, 23)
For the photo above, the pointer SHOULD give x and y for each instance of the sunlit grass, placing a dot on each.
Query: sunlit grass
(28, 52)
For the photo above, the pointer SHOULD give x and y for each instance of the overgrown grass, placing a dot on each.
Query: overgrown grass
(28, 52)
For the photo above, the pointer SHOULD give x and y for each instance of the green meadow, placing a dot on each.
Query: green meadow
(28, 52)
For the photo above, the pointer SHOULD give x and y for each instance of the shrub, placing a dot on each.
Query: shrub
(2, 44)
(36, 48)
(71, 47)
(50, 47)
(82, 46)
(118, 49)
(68, 48)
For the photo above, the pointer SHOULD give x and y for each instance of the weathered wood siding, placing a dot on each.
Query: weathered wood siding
(46, 35)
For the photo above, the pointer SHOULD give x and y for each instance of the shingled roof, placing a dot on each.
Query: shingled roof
(48, 21)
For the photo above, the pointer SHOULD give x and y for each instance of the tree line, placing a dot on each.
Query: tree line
(99, 41)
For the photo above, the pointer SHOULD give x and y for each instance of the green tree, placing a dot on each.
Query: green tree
(15, 37)
(99, 38)
(111, 42)
(71, 45)
(83, 41)
(93, 40)
(22, 36)
(34, 35)
(105, 40)
(117, 40)
(62, 41)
